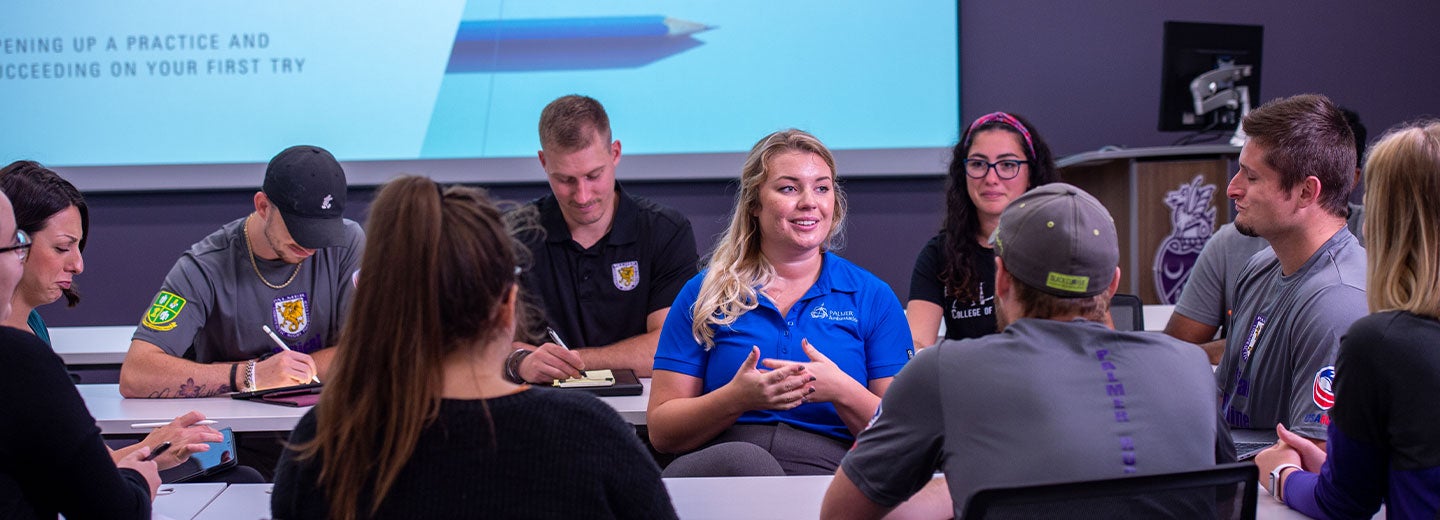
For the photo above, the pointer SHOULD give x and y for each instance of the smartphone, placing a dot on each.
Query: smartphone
(220, 457)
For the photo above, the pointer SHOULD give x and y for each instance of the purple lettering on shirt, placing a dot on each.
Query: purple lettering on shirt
(1115, 390)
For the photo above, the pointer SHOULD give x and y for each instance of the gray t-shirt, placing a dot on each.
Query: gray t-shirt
(1041, 401)
(1209, 292)
(1278, 365)
(212, 304)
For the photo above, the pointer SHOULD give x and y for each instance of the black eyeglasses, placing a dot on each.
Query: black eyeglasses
(1005, 169)
(21, 247)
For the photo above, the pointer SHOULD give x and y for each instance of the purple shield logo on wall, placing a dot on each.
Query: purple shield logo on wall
(1192, 221)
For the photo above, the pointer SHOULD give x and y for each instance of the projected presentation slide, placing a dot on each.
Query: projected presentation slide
(167, 82)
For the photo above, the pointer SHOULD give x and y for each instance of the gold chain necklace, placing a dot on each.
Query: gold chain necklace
(245, 229)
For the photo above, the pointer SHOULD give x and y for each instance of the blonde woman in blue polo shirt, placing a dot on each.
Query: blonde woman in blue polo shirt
(785, 348)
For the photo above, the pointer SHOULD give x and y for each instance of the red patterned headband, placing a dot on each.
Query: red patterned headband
(1006, 119)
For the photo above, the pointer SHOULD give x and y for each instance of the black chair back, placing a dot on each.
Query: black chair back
(1223, 491)
(1127, 312)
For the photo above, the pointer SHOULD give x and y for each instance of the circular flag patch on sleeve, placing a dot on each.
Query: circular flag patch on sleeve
(1325, 388)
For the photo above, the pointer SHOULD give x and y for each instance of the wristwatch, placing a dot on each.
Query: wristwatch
(512, 365)
(1275, 482)
(250, 376)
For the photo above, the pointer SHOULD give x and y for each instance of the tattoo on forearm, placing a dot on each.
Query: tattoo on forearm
(190, 389)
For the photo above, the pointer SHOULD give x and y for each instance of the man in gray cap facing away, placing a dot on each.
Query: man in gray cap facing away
(1057, 395)
(280, 275)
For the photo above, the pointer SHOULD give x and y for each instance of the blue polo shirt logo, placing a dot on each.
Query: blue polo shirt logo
(821, 313)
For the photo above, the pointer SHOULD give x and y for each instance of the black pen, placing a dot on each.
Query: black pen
(158, 451)
(556, 338)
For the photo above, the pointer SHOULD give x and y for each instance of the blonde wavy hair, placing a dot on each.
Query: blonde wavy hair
(1402, 221)
(737, 267)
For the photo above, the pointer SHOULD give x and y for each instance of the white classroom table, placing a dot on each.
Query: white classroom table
(1156, 316)
(184, 501)
(92, 345)
(787, 498)
(800, 497)
(114, 414)
(240, 501)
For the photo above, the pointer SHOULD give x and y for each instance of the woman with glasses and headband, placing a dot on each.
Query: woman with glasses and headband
(1384, 427)
(440, 432)
(52, 460)
(999, 157)
(784, 348)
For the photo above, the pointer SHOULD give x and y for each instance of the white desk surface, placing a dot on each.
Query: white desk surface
(1156, 316)
(764, 497)
(631, 407)
(800, 497)
(92, 345)
(694, 498)
(184, 501)
(239, 501)
(748, 497)
(114, 414)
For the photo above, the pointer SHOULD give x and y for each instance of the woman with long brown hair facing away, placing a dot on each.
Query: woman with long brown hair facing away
(418, 421)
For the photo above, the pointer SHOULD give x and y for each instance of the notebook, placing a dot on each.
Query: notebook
(619, 381)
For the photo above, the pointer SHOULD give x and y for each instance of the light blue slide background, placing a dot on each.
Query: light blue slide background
(861, 75)
(371, 73)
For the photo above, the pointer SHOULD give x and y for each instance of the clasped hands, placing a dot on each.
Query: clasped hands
(788, 384)
(1290, 449)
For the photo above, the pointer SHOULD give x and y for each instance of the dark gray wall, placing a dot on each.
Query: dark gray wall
(1087, 76)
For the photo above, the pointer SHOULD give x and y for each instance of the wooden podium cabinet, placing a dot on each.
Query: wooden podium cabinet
(1166, 197)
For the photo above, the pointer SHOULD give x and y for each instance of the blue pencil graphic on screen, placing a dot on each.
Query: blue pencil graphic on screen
(536, 44)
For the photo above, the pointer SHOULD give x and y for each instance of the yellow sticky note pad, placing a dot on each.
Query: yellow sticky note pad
(592, 378)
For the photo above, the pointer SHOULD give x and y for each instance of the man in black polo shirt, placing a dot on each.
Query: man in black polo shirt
(607, 265)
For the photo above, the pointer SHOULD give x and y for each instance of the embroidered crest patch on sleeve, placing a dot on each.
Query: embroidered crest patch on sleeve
(163, 311)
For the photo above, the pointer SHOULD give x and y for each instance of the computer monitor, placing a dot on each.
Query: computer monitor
(1193, 49)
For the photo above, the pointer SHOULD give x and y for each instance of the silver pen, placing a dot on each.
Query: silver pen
(556, 338)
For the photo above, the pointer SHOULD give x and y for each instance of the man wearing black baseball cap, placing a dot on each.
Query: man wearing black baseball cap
(1057, 395)
(259, 303)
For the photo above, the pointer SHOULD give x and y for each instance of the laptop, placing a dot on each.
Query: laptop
(1248, 443)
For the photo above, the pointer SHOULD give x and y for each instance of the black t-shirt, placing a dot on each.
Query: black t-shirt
(540, 453)
(967, 319)
(51, 457)
(1386, 379)
(598, 296)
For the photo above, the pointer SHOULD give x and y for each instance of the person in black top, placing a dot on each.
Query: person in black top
(440, 433)
(52, 460)
(999, 158)
(606, 264)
